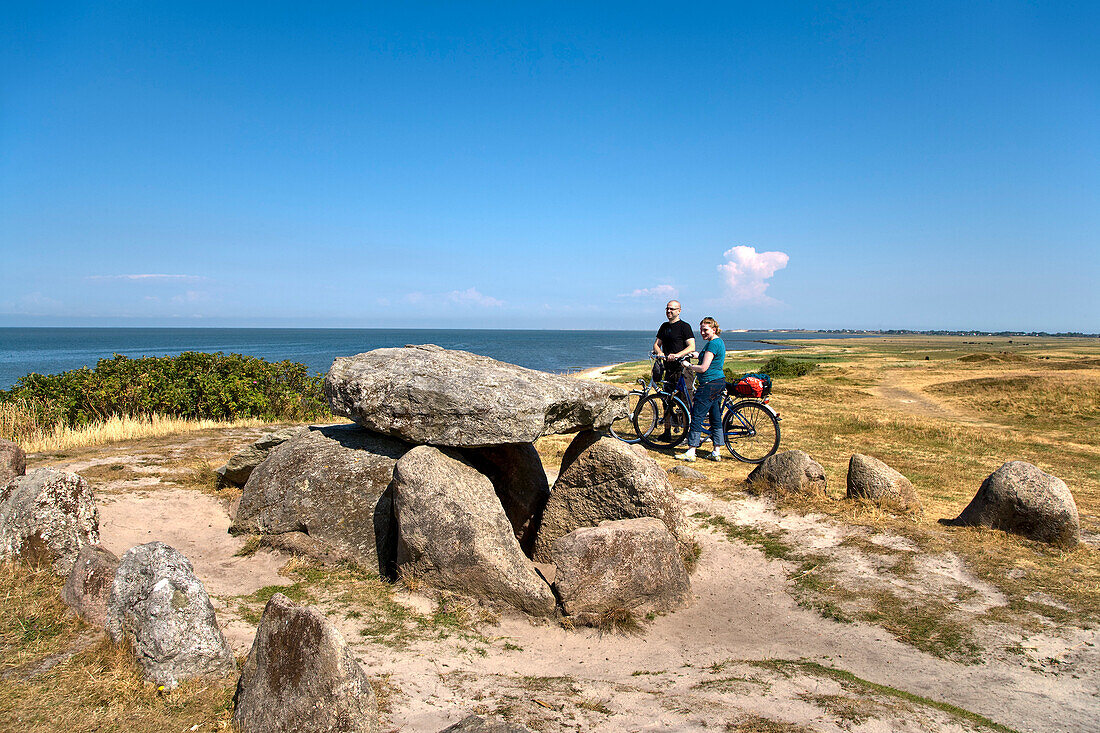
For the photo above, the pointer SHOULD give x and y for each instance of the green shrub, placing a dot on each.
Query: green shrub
(192, 385)
(778, 367)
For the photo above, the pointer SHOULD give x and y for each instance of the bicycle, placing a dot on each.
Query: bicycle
(750, 426)
(625, 428)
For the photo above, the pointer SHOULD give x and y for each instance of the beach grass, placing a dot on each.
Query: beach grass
(19, 426)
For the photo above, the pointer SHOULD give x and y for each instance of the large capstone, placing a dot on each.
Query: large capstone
(605, 479)
(46, 516)
(301, 676)
(631, 565)
(434, 396)
(331, 484)
(162, 610)
(453, 532)
(1023, 499)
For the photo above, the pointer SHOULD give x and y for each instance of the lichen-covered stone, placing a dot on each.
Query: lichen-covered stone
(1023, 499)
(519, 479)
(300, 675)
(13, 461)
(160, 607)
(238, 468)
(46, 516)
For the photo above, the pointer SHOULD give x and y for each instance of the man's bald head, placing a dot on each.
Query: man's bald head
(672, 311)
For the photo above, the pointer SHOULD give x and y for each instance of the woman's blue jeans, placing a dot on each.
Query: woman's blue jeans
(708, 400)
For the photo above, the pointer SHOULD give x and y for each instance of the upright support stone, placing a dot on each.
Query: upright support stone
(300, 675)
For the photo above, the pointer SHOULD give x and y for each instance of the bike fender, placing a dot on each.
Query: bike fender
(769, 408)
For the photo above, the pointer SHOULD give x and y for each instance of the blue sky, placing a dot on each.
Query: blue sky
(550, 165)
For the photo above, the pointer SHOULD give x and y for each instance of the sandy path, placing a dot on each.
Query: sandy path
(742, 611)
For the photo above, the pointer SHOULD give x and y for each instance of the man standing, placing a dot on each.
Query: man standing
(675, 339)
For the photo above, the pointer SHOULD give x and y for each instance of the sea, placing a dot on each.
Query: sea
(53, 350)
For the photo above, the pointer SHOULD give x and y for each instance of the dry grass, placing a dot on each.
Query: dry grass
(17, 425)
(98, 688)
(946, 423)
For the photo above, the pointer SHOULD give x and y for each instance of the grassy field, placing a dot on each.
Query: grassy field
(946, 412)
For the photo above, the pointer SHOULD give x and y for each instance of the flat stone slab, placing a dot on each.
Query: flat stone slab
(434, 396)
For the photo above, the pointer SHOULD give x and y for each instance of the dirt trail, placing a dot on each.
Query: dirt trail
(910, 399)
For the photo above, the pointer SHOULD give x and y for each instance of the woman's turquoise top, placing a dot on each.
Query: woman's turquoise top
(717, 347)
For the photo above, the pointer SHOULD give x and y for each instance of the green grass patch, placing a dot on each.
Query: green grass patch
(846, 678)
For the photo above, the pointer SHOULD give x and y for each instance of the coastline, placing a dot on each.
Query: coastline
(596, 372)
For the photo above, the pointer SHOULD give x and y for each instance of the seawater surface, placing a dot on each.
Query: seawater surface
(53, 350)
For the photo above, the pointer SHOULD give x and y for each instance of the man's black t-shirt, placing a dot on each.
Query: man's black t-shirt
(674, 336)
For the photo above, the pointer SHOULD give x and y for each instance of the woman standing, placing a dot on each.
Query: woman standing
(709, 392)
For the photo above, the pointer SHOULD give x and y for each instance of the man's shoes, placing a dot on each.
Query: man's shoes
(665, 436)
(689, 457)
(713, 457)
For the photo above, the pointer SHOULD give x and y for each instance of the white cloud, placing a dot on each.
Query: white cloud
(469, 296)
(473, 297)
(192, 296)
(747, 272)
(657, 291)
(186, 278)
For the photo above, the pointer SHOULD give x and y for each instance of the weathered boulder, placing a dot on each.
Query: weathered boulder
(330, 483)
(160, 607)
(519, 479)
(688, 473)
(13, 461)
(453, 532)
(478, 724)
(1020, 498)
(870, 478)
(606, 480)
(301, 676)
(237, 470)
(630, 565)
(430, 395)
(46, 516)
(88, 588)
(789, 472)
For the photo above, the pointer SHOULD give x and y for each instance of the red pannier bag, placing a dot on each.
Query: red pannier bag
(749, 386)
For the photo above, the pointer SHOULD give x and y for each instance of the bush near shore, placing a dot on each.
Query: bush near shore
(193, 386)
(778, 367)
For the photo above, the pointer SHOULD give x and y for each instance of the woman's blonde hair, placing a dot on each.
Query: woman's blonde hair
(713, 324)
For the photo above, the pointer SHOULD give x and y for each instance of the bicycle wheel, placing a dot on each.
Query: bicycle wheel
(623, 428)
(752, 432)
(661, 421)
